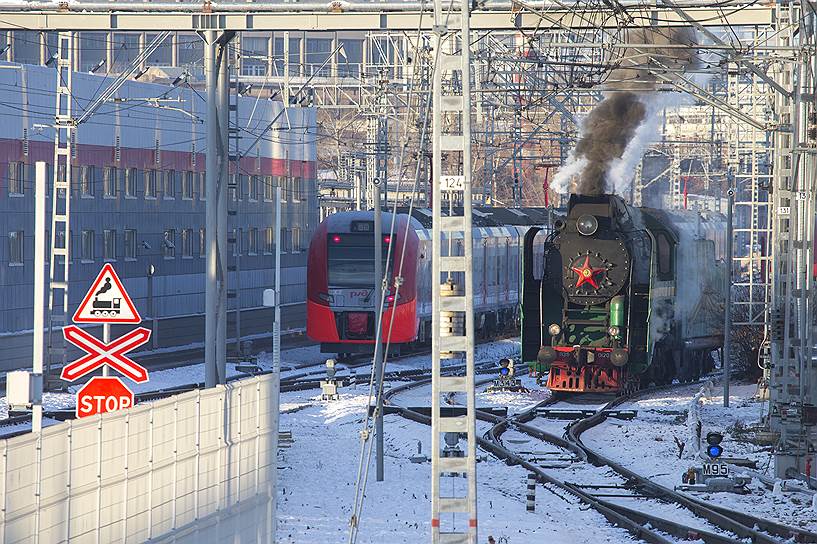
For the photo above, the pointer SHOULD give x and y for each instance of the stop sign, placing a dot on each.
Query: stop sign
(103, 394)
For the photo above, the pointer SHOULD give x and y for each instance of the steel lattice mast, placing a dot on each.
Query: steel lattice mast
(452, 286)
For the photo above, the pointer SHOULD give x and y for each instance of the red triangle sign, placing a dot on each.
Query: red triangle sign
(107, 301)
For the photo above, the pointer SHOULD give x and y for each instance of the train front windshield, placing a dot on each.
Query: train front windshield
(351, 260)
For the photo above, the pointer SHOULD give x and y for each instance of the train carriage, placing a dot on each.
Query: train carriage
(340, 277)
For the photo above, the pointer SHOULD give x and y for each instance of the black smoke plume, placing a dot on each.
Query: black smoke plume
(608, 129)
(630, 98)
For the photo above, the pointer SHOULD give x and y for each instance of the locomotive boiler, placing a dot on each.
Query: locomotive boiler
(618, 297)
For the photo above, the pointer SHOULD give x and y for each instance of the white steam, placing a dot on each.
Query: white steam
(621, 171)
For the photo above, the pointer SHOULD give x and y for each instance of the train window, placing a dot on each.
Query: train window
(664, 256)
(351, 262)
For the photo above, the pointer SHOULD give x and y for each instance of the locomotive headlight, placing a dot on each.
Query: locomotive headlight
(587, 225)
(614, 331)
(554, 330)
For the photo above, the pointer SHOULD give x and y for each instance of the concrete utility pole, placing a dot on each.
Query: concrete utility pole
(727, 314)
(378, 175)
(378, 305)
(216, 74)
(39, 286)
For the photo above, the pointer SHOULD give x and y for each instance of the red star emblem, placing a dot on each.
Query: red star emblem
(587, 274)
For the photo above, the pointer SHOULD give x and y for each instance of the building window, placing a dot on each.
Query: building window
(16, 240)
(131, 176)
(285, 240)
(187, 243)
(269, 241)
(284, 184)
(130, 244)
(187, 185)
(170, 184)
(297, 191)
(163, 55)
(252, 241)
(109, 181)
(296, 239)
(16, 175)
(255, 55)
(150, 183)
(269, 188)
(169, 244)
(202, 186)
(238, 235)
(87, 254)
(254, 181)
(60, 242)
(86, 181)
(109, 245)
(202, 242)
(26, 46)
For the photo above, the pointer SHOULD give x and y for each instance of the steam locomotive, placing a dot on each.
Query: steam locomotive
(618, 297)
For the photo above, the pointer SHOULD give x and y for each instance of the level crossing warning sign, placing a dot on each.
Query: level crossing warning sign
(107, 301)
(100, 353)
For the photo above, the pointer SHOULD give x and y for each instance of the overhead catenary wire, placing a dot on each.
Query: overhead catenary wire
(366, 442)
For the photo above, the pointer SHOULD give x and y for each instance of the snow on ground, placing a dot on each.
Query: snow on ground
(317, 482)
(647, 445)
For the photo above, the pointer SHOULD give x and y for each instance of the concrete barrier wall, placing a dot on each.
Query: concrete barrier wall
(200, 466)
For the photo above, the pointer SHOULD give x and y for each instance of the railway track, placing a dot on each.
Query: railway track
(715, 524)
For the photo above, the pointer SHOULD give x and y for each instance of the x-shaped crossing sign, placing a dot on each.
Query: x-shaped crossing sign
(100, 353)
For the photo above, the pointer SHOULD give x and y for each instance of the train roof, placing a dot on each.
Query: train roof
(488, 216)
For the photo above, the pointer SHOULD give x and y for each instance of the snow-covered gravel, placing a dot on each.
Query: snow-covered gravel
(647, 445)
(317, 478)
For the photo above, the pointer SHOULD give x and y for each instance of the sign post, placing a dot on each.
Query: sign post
(106, 302)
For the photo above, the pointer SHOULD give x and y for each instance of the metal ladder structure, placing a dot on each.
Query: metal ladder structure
(234, 189)
(64, 131)
(793, 391)
(453, 516)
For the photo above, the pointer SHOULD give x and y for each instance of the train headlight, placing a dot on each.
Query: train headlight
(554, 330)
(614, 331)
(587, 225)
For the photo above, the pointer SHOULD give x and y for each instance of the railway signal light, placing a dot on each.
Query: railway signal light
(506, 367)
(714, 448)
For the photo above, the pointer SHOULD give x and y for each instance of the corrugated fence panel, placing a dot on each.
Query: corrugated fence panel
(197, 467)
(54, 480)
(21, 480)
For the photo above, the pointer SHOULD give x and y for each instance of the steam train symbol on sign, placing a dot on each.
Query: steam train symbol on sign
(105, 307)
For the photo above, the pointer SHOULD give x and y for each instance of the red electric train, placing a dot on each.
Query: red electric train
(340, 276)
